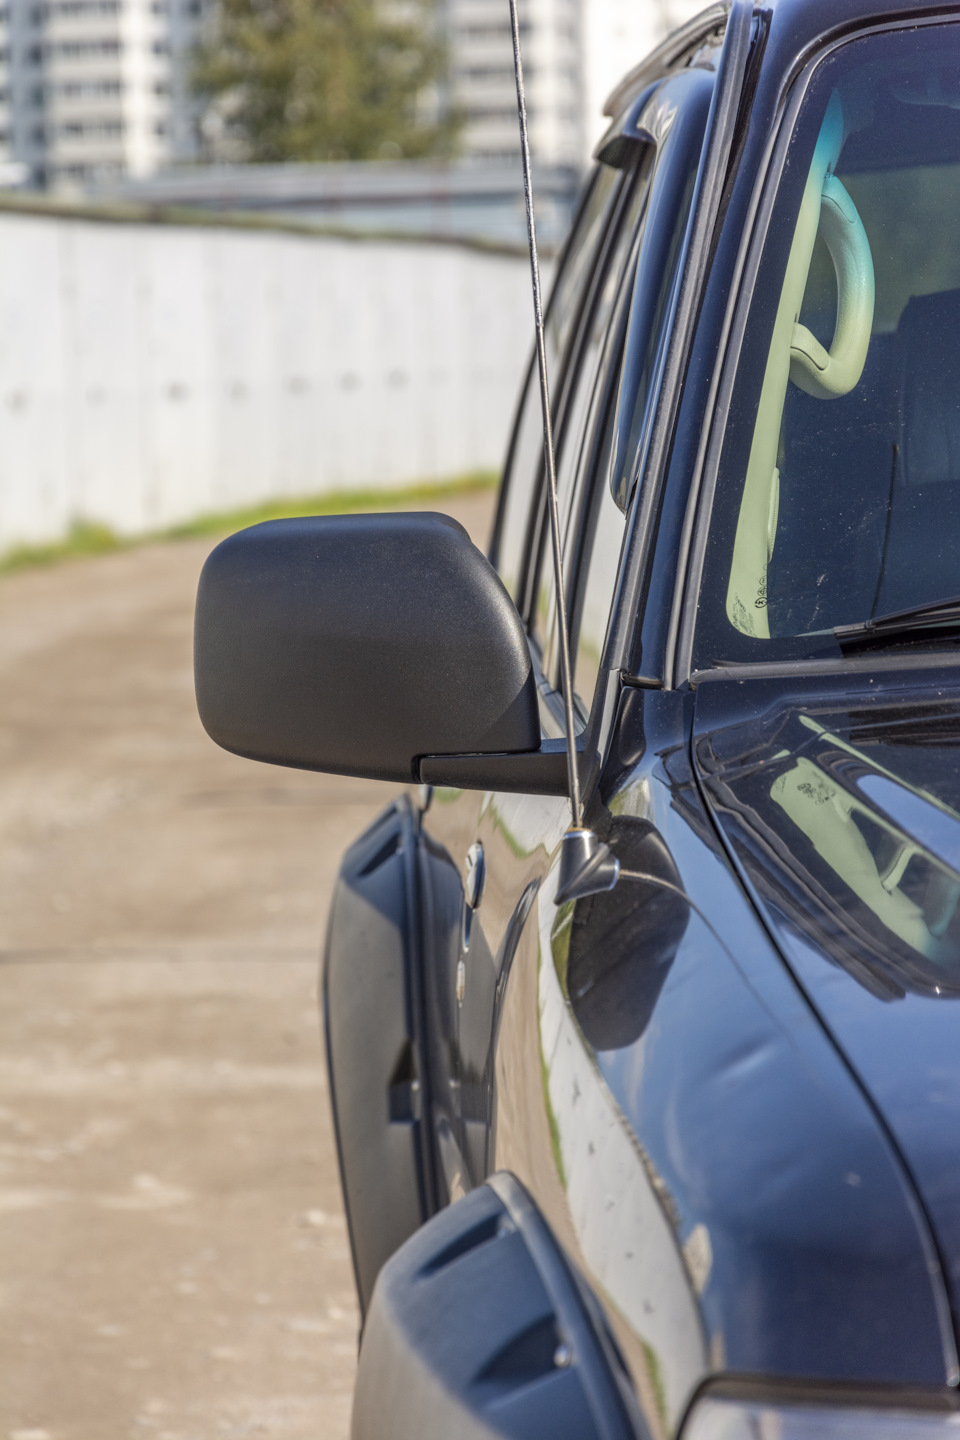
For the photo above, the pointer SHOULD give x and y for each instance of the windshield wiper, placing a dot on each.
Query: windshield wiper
(901, 623)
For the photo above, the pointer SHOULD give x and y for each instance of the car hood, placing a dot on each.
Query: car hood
(840, 802)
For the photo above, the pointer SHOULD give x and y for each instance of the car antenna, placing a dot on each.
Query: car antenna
(587, 865)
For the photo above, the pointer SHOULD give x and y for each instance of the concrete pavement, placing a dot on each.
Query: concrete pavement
(173, 1257)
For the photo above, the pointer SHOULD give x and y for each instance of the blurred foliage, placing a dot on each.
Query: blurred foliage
(86, 537)
(325, 80)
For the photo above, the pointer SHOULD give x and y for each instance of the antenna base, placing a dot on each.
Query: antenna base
(587, 867)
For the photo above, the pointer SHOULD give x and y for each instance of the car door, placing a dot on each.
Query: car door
(501, 846)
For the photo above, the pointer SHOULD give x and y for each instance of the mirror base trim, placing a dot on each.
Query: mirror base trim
(531, 772)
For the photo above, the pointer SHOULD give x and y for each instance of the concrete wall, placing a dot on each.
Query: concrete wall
(150, 373)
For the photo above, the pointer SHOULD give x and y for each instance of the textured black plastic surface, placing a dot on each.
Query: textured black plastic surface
(372, 1014)
(535, 772)
(478, 1329)
(357, 643)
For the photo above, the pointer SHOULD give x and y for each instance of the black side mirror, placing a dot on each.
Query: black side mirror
(358, 644)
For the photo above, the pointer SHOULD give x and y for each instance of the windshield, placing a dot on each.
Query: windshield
(838, 496)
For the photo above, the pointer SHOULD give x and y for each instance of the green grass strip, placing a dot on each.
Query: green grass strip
(87, 537)
(83, 538)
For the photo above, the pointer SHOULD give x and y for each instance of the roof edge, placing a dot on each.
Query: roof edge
(666, 55)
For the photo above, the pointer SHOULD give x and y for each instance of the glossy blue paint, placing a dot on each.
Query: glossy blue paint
(862, 902)
(759, 1131)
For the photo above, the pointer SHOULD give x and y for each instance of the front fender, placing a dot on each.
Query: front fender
(480, 1329)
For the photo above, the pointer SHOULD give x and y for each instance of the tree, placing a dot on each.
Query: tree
(326, 79)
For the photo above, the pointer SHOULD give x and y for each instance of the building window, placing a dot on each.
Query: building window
(84, 89)
(492, 31)
(71, 9)
(83, 49)
(503, 73)
(90, 129)
(496, 112)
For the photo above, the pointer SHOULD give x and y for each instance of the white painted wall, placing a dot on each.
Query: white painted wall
(149, 373)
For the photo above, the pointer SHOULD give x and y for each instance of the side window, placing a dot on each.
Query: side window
(575, 422)
(525, 461)
(611, 464)
(591, 608)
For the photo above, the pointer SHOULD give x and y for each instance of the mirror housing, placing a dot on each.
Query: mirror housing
(356, 644)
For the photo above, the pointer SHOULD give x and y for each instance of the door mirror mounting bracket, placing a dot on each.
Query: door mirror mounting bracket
(532, 772)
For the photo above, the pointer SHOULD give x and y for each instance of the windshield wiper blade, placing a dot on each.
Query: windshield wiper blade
(929, 616)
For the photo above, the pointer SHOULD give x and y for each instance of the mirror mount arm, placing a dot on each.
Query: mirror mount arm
(532, 772)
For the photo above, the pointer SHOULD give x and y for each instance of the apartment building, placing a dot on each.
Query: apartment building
(95, 89)
(574, 53)
(482, 79)
(94, 92)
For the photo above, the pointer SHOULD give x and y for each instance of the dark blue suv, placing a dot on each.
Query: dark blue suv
(703, 1127)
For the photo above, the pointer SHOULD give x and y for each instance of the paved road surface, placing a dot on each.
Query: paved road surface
(173, 1257)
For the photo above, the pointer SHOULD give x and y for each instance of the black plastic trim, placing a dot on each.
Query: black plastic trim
(479, 1328)
(535, 772)
(825, 1392)
(373, 1031)
(846, 665)
(835, 1394)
